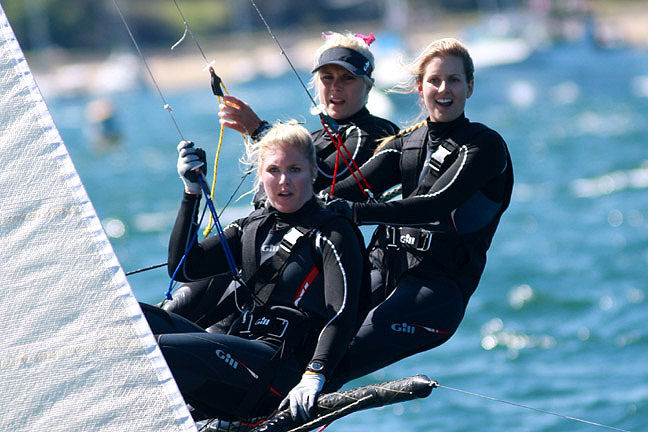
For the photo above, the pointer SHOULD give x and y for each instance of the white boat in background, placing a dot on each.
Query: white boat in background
(493, 51)
(505, 38)
(119, 72)
(76, 352)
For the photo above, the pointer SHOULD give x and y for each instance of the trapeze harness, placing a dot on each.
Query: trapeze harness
(456, 244)
(423, 274)
(276, 332)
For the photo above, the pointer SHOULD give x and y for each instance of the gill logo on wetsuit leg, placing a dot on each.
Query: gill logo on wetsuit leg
(269, 248)
(227, 358)
(403, 328)
(411, 328)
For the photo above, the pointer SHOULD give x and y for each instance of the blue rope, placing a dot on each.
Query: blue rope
(184, 256)
(221, 235)
(219, 228)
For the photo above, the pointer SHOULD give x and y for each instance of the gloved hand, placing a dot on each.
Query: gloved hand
(192, 162)
(303, 396)
(342, 207)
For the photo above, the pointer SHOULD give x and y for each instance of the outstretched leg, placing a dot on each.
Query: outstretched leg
(417, 316)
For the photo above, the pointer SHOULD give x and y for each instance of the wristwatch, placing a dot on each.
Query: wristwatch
(316, 367)
(260, 131)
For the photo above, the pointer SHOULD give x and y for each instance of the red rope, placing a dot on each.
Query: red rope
(339, 145)
(335, 172)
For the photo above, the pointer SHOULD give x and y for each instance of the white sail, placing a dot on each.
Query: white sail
(75, 351)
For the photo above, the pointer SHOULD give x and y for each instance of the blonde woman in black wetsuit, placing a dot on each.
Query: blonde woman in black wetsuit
(293, 331)
(342, 77)
(343, 67)
(429, 251)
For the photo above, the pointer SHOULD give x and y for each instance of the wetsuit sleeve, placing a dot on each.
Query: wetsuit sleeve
(368, 134)
(205, 258)
(381, 171)
(342, 267)
(477, 164)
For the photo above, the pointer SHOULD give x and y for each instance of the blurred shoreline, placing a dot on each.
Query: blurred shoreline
(243, 57)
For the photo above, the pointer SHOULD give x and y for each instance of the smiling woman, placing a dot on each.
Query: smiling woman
(430, 248)
(342, 76)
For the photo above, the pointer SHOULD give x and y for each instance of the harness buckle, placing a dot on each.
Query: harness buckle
(247, 318)
(290, 239)
(393, 238)
(425, 241)
(284, 326)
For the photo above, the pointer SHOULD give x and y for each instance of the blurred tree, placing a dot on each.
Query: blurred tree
(95, 25)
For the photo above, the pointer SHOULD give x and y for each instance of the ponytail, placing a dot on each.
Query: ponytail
(386, 140)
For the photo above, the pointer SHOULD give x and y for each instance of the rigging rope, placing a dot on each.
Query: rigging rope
(229, 200)
(519, 405)
(216, 84)
(330, 125)
(139, 51)
(205, 188)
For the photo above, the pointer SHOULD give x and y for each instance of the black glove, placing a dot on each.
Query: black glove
(192, 162)
(342, 207)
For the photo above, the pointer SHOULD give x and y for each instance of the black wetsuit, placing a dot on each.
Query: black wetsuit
(429, 262)
(312, 311)
(360, 134)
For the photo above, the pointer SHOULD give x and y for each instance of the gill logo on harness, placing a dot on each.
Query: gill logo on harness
(262, 321)
(269, 248)
(407, 239)
(227, 358)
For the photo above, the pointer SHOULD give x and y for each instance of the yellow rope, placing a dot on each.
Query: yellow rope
(210, 225)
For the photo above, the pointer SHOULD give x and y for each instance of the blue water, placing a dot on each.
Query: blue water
(558, 322)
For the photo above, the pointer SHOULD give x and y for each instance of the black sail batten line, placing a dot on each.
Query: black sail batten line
(232, 264)
(330, 125)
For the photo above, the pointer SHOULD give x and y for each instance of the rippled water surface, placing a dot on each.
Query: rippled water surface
(558, 322)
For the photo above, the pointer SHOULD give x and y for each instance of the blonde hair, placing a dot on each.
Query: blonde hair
(283, 135)
(440, 48)
(346, 40)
